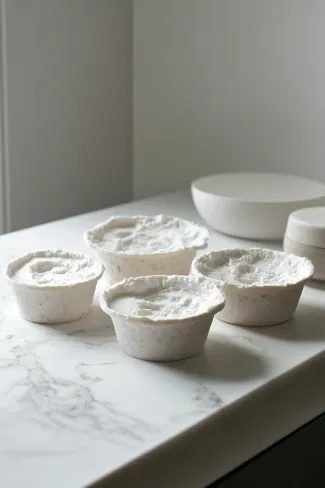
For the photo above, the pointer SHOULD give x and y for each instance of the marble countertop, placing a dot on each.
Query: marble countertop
(75, 409)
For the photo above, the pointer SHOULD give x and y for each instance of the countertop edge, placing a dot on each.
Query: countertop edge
(244, 430)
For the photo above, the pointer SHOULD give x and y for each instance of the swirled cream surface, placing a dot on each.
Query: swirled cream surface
(54, 268)
(147, 235)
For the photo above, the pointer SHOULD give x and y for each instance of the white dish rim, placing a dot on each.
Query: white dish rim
(90, 243)
(251, 287)
(55, 252)
(111, 292)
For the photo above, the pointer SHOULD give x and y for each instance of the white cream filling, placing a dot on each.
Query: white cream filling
(174, 299)
(255, 267)
(148, 234)
(53, 270)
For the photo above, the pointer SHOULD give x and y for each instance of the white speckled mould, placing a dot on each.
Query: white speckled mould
(54, 304)
(164, 338)
(263, 289)
(139, 262)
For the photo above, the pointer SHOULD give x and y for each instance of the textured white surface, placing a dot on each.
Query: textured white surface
(163, 318)
(53, 287)
(75, 408)
(262, 286)
(54, 268)
(254, 268)
(145, 246)
(147, 235)
(166, 297)
(172, 323)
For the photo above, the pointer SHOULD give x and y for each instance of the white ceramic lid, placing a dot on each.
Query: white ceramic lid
(307, 226)
(261, 187)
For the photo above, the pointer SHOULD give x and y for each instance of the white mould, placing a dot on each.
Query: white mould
(54, 286)
(254, 267)
(147, 235)
(262, 286)
(162, 318)
(145, 246)
(53, 268)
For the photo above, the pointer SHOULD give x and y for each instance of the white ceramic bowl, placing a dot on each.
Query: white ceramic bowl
(261, 286)
(163, 334)
(175, 258)
(253, 205)
(55, 303)
(305, 236)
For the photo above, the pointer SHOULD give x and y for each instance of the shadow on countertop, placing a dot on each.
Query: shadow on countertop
(307, 325)
(223, 360)
(316, 285)
(94, 328)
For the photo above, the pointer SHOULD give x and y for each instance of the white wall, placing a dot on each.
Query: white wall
(67, 67)
(225, 85)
